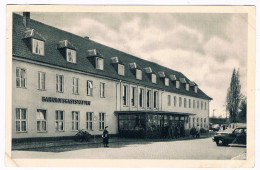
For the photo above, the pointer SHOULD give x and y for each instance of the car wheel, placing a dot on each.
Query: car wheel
(221, 142)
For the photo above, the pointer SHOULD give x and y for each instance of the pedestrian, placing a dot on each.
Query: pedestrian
(198, 131)
(105, 137)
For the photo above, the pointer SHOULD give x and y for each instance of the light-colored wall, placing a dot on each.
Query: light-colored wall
(31, 98)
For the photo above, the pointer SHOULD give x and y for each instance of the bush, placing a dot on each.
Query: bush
(81, 136)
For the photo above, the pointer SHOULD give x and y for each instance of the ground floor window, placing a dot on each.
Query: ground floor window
(21, 120)
(75, 120)
(59, 120)
(89, 121)
(101, 121)
(41, 120)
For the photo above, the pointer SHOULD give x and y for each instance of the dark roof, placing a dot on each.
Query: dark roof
(53, 56)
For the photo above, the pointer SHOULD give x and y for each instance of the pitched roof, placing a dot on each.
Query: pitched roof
(53, 56)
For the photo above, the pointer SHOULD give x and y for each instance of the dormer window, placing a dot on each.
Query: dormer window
(38, 47)
(177, 84)
(71, 55)
(166, 81)
(153, 78)
(138, 74)
(121, 69)
(99, 63)
(187, 87)
(196, 89)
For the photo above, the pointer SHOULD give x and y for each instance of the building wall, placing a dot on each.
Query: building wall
(31, 99)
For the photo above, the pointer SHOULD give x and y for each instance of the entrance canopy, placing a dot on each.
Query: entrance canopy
(155, 112)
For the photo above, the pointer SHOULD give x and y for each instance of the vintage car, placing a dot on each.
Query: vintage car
(237, 136)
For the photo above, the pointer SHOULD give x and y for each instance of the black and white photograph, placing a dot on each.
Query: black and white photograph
(131, 85)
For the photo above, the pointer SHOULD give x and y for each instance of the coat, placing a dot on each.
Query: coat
(105, 136)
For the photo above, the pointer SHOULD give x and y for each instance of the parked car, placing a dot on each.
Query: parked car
(237, 136)
(215, 127)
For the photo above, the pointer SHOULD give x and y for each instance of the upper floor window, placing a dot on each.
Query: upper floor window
(201, 105)
(185, 103)
(121, 69)
(133, 94)
(138, 74)
(102, 89)
(189, 103)
(194, 104)
(41, 120)
(71, 55)
(59, 83)
(125, 94)
(37, 46)
(153, 78)
(187, 87)
(99, 63)
(205, 106)
(166, 81)
(90, 88)
(41, 80)
(141, 97)
(149, 95)
(198, 104)
(180, 101)
(175, 101)
(196, 89)
(169, 100)
(177, 84)
(21, 120)
(155, 99)
(75, 85)
(20, 77)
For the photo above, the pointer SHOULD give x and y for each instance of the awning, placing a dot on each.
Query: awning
(155, 112)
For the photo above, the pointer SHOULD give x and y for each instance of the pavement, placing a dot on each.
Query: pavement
(98, 141)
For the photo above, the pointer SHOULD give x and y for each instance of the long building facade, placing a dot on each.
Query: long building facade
(63, 83)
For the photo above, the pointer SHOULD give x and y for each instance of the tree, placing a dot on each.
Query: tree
(233, 96)
(242, 108)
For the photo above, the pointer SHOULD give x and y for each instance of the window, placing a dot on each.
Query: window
(149, 95)
(41, 120)
(89, 88)
(187, 87)
(121, 69)
(59, 83)
(185, 103)
(198, 104)
(125, 94)
(201, 122)
(89, 121)
(71, 55)
(102, 89)
(21, 77)
(138, 74)
(169, 100)
(37, 47)
(166, 81)
(99, 63)
(180, 101)
(177, 84)
(205, 106)
(198, 123)
(155, 99)
(189, 103)
(201, 105)
(141, 97)
(133, 102)
(101, 121)
(75, 120)
(196, 89)
(59, 120)
(41, 80)
(204, 122)
(194, 104)
(75, 85)
(153, 78)
(193, 122)
(175, 101)
(21, 120)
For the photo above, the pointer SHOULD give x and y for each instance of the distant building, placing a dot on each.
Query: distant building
(63, 82)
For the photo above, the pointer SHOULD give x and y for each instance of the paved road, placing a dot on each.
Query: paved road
(185, 149)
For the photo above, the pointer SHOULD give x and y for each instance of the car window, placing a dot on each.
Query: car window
(245, 130)
(238, 130)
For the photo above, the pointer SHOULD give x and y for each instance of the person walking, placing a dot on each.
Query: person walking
(105, 137)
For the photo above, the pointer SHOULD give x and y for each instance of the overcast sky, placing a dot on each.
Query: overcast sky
(204, 47)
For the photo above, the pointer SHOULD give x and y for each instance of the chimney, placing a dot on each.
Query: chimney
(26, 19)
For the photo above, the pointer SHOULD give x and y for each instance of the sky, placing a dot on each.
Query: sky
(204, 47)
